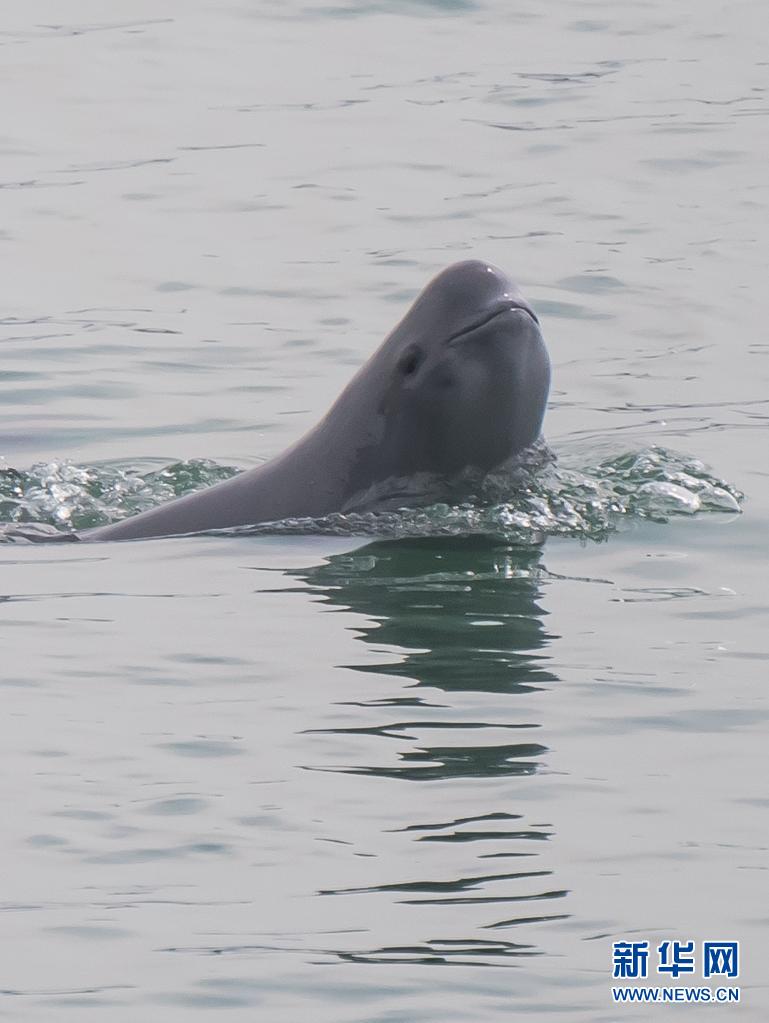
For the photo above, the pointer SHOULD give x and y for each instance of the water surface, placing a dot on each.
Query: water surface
(253, 777)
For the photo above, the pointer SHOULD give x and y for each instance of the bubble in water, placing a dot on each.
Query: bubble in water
(534, 499)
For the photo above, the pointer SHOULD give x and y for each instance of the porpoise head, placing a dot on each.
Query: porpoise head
(460, 383)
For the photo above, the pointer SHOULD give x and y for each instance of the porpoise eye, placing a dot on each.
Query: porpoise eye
(409, 361)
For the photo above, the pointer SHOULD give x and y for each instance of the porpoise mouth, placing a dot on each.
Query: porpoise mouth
(487, 317)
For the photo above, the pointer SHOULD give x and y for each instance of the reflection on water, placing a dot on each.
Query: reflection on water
(464, 611)
(465, 619)
(190, 289)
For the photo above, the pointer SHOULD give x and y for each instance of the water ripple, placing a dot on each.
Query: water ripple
(541, 498)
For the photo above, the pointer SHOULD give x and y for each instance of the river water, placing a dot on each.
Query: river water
(349, 778)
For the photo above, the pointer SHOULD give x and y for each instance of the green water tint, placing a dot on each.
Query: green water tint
(73, 497)
(459, 615)
(545, 500)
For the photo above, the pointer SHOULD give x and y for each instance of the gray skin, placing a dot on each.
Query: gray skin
(458, 387)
